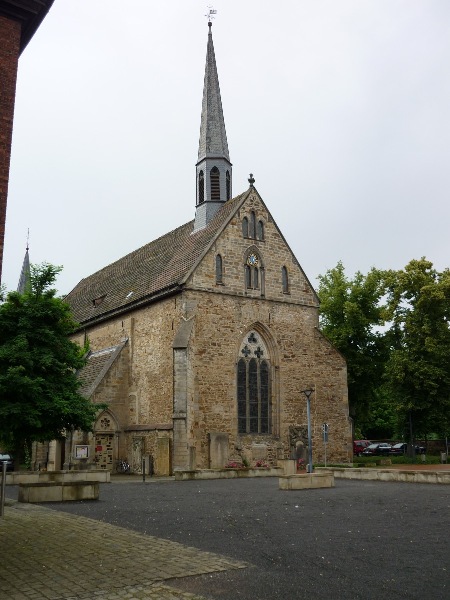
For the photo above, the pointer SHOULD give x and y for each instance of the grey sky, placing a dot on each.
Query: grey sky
(339, 108)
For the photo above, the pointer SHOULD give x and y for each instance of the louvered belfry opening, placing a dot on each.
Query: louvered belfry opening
(215, 184)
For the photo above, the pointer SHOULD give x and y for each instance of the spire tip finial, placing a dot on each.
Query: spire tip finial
(251, 180)
(210, 15)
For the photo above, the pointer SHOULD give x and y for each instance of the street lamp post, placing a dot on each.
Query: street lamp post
(308, 393)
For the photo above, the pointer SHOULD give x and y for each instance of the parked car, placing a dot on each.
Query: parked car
(359, 446)
(380, 448)
(9, 462)
(402, 448)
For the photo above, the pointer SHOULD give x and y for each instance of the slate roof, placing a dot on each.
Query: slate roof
(97, 365)
(213, 136)
(24, 279)
(157, 268)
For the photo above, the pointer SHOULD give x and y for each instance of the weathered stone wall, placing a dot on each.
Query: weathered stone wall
(273, 252)
(300, 358)
(203, 328)
(150, 333)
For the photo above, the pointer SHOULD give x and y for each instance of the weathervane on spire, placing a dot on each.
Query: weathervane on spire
(28, 238)
(211, 12)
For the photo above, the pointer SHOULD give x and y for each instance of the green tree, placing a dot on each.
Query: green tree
(350, 316)
(39, 397)
(418, 371)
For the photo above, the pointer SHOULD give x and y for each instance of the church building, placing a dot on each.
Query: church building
(203, 341)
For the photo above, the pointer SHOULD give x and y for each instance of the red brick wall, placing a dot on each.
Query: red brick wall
(9, 56)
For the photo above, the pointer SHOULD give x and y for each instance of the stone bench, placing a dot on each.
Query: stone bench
(18, 477)
(58, 491)
(306, 482)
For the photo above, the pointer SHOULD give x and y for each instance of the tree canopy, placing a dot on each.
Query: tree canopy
(393, 329)
(350, 314)
(39, 398)
(418, 369)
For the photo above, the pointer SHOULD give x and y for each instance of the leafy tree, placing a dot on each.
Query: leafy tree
(418, 371)
(39, 399)
(350, 316)
(382, 421)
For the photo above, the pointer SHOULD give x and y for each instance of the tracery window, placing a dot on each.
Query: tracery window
(215, 183)
(252, 267)
(253, 386)
(201, 187)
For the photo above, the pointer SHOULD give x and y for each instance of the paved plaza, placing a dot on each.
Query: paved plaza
(52, 554)
(231, 539)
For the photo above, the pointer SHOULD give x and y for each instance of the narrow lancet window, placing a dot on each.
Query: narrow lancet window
(245, 227)
(260, 230)
(219, 269)
(228, 184)
(252, 232)
(248, 277)
(285, 280)
(201, 187)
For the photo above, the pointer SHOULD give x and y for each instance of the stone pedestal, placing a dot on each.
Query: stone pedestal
(289, 466)
(306, 482)
(218, 450)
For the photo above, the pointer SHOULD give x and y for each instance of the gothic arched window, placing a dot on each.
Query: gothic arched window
(260, 231)
(228, 184)
(285, 280)
(201, 187)
(219, 269)
(253, 386)
(252, 231)
(245, 227)
(215, 183)
(253, 272)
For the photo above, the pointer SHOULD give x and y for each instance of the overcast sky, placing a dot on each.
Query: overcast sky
(340, 109)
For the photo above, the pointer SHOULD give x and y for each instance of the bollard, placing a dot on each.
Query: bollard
(143, 470)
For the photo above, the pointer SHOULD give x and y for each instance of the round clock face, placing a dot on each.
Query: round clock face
(252, 260)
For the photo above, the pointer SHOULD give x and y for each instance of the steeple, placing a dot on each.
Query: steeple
(213, 167)
(24, 280)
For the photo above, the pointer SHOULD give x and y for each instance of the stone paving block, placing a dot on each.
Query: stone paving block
(59, 556)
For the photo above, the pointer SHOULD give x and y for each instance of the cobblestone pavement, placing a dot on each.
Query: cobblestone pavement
(47, 554)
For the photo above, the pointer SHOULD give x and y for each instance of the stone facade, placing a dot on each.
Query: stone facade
(172, 391)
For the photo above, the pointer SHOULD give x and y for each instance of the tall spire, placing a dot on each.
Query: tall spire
(213, 167)
(213, 137)
(25, 279)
